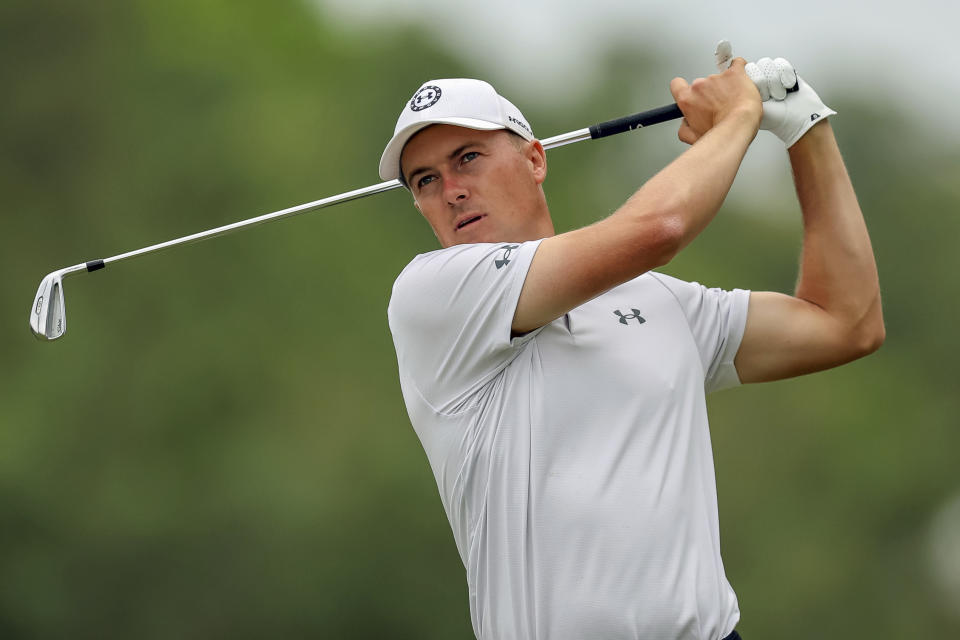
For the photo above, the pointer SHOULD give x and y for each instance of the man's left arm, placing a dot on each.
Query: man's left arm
(834, 315)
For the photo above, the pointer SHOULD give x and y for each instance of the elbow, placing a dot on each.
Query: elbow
(853, 345)
(869, 342)
(655, 224)
(876, 333)
(875, 340)
(677, 223)
(669, 238)
(871, 333)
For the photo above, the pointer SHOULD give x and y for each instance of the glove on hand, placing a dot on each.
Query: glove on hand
(788, 115)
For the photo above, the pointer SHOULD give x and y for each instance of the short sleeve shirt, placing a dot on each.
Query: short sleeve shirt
(574, 462)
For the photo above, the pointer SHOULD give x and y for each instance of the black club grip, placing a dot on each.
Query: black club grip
(636, 121)
(644, 119)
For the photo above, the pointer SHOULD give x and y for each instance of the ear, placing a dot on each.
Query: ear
(537, 158)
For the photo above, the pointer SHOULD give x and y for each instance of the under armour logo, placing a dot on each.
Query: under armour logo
(814, 116)
(505, 260)
(630, 316)
(426, 97)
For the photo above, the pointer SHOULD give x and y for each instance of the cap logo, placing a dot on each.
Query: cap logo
(426, 97)
(520, 123)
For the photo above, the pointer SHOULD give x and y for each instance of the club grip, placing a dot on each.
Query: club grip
(636, 121)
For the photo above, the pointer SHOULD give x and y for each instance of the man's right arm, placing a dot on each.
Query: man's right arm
(722, 116)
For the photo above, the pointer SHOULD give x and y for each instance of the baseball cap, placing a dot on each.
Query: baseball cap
(463, 102)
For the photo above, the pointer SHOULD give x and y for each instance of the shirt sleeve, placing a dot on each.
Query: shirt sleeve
(450, 316)
(717, 319)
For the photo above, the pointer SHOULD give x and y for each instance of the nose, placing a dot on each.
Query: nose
(454, 191)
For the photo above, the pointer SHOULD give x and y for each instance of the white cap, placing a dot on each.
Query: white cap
(473, 104)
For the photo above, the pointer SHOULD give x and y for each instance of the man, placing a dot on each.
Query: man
(557, 383)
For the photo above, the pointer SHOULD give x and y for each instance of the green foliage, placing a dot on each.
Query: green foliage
(218, 447)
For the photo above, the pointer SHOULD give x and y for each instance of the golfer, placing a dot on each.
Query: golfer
(557, 382)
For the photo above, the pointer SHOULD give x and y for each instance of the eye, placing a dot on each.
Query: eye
(424, 181)
(468, 156)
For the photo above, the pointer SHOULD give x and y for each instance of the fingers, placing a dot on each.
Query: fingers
(678, 86)
(772, 77)
(788, 75)
(706, 101)
(756, 75)
(737, 64)
(686, 132)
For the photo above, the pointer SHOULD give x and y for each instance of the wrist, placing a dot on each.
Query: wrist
(745, 117)
(817, 137)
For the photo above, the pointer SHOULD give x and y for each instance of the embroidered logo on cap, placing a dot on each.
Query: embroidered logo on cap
(426, 97)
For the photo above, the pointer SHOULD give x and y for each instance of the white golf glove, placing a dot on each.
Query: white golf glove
(789, 115)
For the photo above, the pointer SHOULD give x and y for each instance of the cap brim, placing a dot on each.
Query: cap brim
(390, 160)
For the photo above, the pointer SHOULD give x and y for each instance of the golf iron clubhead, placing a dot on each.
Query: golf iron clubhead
(48, 319)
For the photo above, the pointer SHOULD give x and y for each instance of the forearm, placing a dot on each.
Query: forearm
(721, 117)
(687, 193)
(838, 272)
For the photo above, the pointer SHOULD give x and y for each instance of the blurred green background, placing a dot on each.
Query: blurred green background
(218, 446)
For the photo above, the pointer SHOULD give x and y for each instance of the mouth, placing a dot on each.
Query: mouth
(469, 220)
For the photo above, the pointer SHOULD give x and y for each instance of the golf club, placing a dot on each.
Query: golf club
(48, 319)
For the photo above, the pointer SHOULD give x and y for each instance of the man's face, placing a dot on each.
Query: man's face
(477, 186)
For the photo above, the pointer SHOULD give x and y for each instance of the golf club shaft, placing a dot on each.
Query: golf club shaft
(600, 130)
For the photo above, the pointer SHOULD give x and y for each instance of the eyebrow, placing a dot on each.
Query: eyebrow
(452, 155)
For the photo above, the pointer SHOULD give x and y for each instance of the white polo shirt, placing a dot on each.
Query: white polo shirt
(574, 462)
